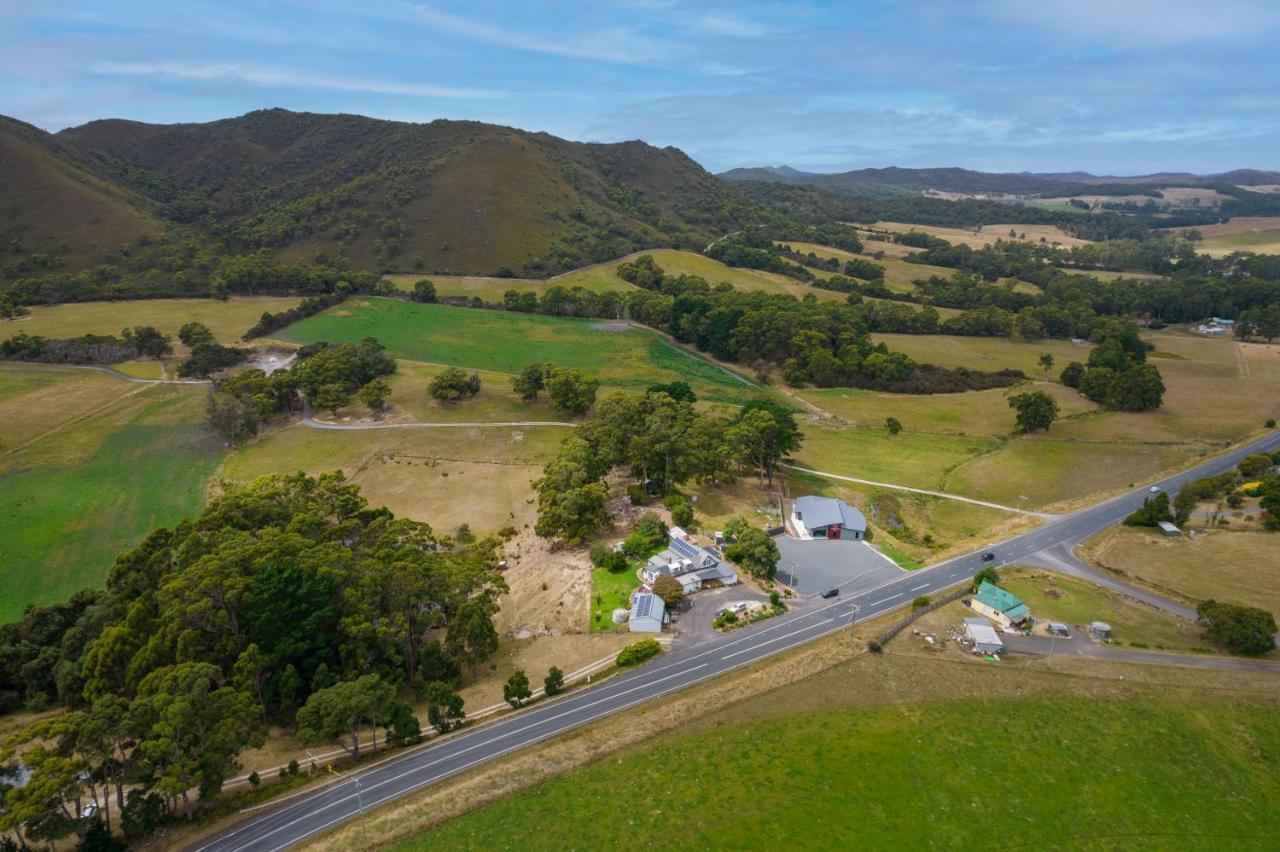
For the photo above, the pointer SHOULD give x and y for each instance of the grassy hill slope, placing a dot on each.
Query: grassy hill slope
(55, 212)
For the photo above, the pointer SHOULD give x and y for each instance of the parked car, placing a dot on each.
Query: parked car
(831, 593)
(1155, 489)
(988, 556)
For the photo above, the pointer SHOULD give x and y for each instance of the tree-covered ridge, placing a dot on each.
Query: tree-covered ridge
(276, 593)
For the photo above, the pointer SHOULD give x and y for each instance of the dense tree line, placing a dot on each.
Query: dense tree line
(183, 268)
(289, 600)
(662, 442)
(752, 248)
(309, 306)
(137, 342)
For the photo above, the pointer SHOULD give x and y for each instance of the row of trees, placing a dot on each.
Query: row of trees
(663, 442)
(288, 601)
(141, 341)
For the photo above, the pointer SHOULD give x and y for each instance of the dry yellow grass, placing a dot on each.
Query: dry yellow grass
(228, 320)
(36, 399)
(988, 234)
(1227, 565)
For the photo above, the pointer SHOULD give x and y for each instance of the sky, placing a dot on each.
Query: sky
(1107, 86)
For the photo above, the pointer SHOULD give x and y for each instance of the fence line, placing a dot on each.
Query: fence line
(954, 595)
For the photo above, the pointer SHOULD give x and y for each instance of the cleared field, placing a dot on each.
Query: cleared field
(987, 234)
(1226, 565)
(919, 775)
(228, 320)
(971, 413)
(411, 401)
(917, 459)
(1054, 597)
(445, 477)
(36, 399)
(1215, 390)
(985, 353)
(72, 500)
(1237, 225)
(1047, 470)
(507, 342)
(898, 274)
(1260, 242)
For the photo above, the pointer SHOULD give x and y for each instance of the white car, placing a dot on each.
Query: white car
(1155, 489)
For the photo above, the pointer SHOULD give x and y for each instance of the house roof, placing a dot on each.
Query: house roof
(1001, 600)
(982, 631)
(817, 512)
(647, 605)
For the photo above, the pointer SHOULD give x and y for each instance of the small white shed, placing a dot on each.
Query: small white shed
(983, 635)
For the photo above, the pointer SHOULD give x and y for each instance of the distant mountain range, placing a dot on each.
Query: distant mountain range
(448, 196)
(895, 180)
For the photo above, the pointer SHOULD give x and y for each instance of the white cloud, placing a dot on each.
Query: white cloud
(735, 27)
(262, 76)
(1142, 23)
(611, 45)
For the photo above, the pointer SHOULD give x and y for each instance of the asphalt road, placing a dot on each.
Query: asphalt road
(308, 815)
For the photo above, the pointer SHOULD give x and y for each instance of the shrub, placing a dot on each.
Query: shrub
(293, 767)
(1243, 629)
(254, 779)
(921, 602)
(553, 683)
(614, 562)
(638, 652)
(874, 646)
(637, 494)
(1271, 423)
(598, 552)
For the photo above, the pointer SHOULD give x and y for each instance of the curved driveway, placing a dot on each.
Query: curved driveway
(304, 817)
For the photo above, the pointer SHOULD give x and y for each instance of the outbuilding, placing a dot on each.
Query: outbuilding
(1100, 630)
(1001, 606)
(827, 517)
(647, 613)
(983, 636)
(1169, 529)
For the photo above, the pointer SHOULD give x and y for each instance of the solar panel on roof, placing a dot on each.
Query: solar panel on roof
(684, 548)
(643, 604)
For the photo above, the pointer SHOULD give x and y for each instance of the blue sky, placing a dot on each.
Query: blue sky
(1109, 86)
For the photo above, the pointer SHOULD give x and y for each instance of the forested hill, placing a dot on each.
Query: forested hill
(52, 205)
(896, 181)
(448, 196)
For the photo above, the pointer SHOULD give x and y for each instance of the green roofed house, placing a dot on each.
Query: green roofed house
(1002, 607)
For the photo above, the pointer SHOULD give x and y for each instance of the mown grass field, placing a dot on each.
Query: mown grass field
(1054, 597)
(971, 413)
(1044, 772)
(445, 477)
(507, 342)
(96, 484)
(917, 459)
(610, 591)
(1227, 565)
(986, 353)
(228, 320)
(1048, 471)
(411, 401)
(38, 398)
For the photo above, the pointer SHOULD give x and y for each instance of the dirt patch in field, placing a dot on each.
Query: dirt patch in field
(611, 326)
(550, 590)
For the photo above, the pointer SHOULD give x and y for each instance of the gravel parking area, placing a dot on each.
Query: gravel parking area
(815, 565)
(695, 621)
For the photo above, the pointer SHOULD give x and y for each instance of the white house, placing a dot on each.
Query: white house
(647, 613)
(827, 517)
(693, 565)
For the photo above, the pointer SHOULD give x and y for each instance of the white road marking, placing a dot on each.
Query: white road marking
(776, 639)
(886, 600)
(918, 588)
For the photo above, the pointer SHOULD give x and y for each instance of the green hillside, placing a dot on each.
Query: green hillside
(55, 213)
(444, 197)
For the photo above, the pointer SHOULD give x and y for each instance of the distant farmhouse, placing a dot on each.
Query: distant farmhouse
(827, 517)
(1002, 607)
(692, 565)
(1216, 327)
